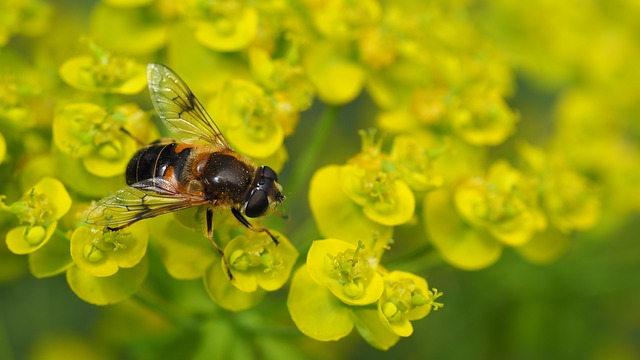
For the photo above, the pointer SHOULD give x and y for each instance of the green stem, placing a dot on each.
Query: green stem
(307, 161)
(109, 102)
(61, 234)
(149, 301)
(6, 348)
(301, 233)
(422, 260)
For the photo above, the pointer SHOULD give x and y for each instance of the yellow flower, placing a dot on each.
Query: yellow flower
(414, 161)
(38, 210)
(88, 132)
(102, 252)
(129, 27)
(337, 77)
(31, 17)
(332, 208)
(223, 26)
(285, 83)
(503, 203)
(256, 261)
(341, 19)
(461, 245)
(247, 119)
(570, 202)
(406, 297)
(483, 118)
(347, 271)
(384, 200)
(103, 72)
(368, 180)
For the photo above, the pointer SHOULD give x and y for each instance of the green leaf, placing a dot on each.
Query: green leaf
(65, 345)
(372, 329)
(12, 266)
(332, 209)
(35, 168)
(186, 254)
(545, 247)
(76, 177)
(132, 31)
(275, 348)
(225, 294)
(110, 289)
(461, 245)
(219, 341)
(338, 78)
(52, 259)
(316, 311)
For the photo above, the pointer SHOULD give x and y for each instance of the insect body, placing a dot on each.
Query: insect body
(200, 170)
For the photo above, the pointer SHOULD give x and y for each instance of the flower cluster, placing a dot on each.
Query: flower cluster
(373, 192)
(258, 265)
(345, 283)
(38, 212)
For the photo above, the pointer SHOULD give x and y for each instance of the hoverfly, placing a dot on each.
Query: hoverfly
(199, 169)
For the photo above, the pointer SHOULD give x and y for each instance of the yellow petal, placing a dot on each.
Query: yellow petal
(225, 294)
(396, 211)
(185, 253)
(228, 34)
(459, 244)
(316, 311)
(374, 329)
(332, 209)
(107, 290)
(25, 240)
(545, 247)
(337, 78)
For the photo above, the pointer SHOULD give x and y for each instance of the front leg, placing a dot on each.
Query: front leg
(220, 251)
(246, 223)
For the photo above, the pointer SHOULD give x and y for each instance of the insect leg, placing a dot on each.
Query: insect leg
(218, 249)
(118, 228)
(140, 142)
(246, 223)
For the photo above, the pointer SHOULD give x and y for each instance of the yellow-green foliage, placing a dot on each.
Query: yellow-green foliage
(486, 129)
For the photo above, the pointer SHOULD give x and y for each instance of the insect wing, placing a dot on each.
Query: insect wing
(142, 200)
(179, 109)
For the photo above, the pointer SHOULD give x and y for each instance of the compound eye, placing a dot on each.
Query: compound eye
(268, 173)
(257, 204)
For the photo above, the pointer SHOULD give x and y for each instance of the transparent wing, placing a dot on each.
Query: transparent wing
(179, 109)
(142, 200)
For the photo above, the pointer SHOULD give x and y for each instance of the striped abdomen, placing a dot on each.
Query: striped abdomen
(159, 160)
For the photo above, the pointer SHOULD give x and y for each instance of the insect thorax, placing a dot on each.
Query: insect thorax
(227, 178)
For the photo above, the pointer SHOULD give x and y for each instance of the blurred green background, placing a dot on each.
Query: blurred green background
(585, 305)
